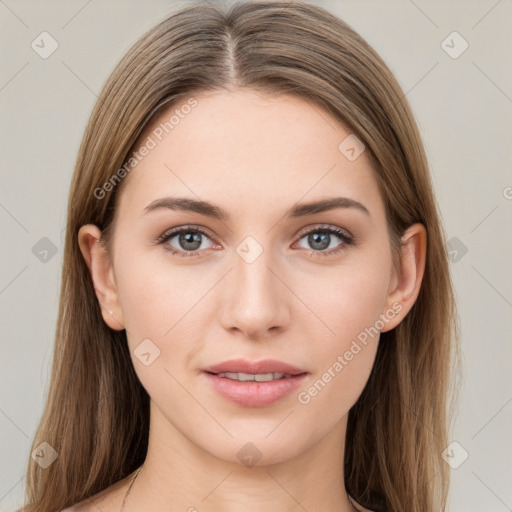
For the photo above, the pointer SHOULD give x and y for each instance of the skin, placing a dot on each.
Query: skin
(255, 156)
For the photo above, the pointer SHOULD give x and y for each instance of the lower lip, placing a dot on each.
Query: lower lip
(252, 393)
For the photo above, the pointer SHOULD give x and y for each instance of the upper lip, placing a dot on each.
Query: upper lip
(254, 367)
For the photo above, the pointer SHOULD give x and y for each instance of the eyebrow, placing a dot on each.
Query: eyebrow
(211, 210)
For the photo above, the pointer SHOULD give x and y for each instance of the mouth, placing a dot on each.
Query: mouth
(254, 384)
(257, 377)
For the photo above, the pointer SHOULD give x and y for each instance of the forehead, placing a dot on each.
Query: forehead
(251, 149)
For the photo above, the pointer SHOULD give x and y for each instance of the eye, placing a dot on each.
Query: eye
(189, 240)
(321, 237)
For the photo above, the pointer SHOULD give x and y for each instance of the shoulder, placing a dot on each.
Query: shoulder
(108, 500)
(92, 504)
(359, 507)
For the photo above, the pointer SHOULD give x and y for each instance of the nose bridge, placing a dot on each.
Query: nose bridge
(256, 300)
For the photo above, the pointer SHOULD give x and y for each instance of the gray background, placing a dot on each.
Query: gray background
(463, 106)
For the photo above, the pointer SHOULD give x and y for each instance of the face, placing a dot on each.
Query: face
(193, 289)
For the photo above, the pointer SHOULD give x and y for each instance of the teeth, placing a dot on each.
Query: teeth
(258, 377)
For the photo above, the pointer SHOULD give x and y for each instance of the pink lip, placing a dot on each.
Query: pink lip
(254, 394)
(244, 366)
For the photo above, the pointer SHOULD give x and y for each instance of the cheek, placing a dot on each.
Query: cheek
(156, 306)
(343, 361)
(347, 300)
(164, 303)
(350, 305)
(156, 294)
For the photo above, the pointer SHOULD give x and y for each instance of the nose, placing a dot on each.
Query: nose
(255, 301)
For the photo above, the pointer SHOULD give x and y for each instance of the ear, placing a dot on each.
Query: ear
(102, 273)
(406, 282)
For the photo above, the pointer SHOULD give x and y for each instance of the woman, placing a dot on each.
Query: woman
(256, 309)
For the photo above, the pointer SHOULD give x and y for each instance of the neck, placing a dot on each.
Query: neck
(179, 475)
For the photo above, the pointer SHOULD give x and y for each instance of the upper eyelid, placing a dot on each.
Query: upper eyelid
(181, 229)
(320, 227)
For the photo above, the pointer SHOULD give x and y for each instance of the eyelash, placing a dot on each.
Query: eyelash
(347, 240)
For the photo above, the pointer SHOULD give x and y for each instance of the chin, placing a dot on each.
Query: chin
(257, 450)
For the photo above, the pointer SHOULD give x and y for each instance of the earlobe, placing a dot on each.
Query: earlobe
(407, 282)
(100, 267)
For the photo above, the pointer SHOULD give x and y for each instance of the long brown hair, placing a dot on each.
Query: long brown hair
(96, 414)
